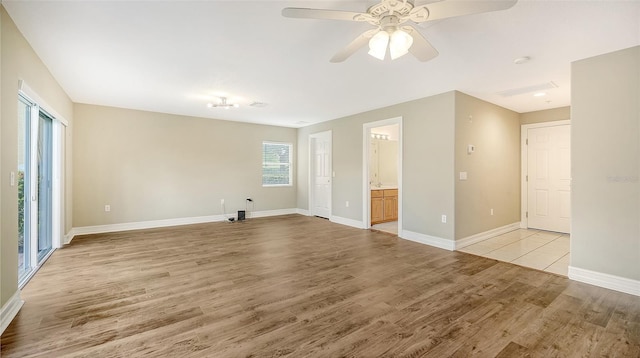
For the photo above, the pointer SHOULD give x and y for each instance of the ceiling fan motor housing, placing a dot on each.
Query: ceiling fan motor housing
(390, 7)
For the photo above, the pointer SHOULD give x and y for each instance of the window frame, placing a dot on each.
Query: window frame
(290, 163)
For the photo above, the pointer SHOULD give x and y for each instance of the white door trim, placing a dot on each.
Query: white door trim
(524, 197)
(366, 192)
(312, 175)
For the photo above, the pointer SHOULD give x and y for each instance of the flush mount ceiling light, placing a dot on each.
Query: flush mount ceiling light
(223, 104)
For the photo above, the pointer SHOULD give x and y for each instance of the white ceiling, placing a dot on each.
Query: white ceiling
(176, 56)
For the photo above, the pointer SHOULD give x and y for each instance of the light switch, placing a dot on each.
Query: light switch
(463, 175)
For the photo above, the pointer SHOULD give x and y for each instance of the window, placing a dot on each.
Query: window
(276, 164)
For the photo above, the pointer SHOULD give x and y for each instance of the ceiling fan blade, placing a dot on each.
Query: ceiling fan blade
(453, 8)
(421, 48)
(354, 46)
(302, 13)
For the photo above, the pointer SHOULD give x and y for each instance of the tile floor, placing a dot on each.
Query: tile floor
(542, 250)
(390, 227)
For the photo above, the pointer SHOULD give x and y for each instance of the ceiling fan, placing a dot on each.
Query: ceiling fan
(392, 31)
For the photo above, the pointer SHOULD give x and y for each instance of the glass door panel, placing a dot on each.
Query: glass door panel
(24, 247)
(45, 161)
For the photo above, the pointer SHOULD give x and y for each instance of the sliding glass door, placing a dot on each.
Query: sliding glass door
(35, 186)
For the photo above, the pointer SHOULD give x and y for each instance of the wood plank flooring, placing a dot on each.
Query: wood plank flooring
(299, 286)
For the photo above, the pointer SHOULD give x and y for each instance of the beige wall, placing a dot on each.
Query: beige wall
(432, 128)
(493, 170)
(605, 131)
(428, 133)
(20, 62)
(152, 166)
(547, 115)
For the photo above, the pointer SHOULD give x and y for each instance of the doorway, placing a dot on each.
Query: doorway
(382, 178)
(320, 174)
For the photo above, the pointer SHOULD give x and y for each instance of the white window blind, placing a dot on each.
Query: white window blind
(276, 164)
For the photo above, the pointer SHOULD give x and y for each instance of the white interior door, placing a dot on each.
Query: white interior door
(549, 178)
(320, 150)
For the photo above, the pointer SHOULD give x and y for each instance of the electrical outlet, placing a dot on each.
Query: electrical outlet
(13, 178)
(107, 208)
(444, 219)
(346, 204)
(491, 212)
(221, 201)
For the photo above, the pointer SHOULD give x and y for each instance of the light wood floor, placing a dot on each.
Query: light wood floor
(303, 287)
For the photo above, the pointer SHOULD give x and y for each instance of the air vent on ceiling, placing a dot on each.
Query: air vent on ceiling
(528, 89)
(258, 104)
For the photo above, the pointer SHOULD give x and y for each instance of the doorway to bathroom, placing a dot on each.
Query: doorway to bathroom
(382, 175)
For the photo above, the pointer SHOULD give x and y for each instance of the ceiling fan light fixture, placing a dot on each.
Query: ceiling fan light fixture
(378, 45)
(400, 44)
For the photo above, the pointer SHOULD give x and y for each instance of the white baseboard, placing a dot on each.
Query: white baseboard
(600, 279)
(470, 240)
(266, 213)
(348, 222)
(10, 310)
(304, 212)
(100, 229)
(428, 240)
